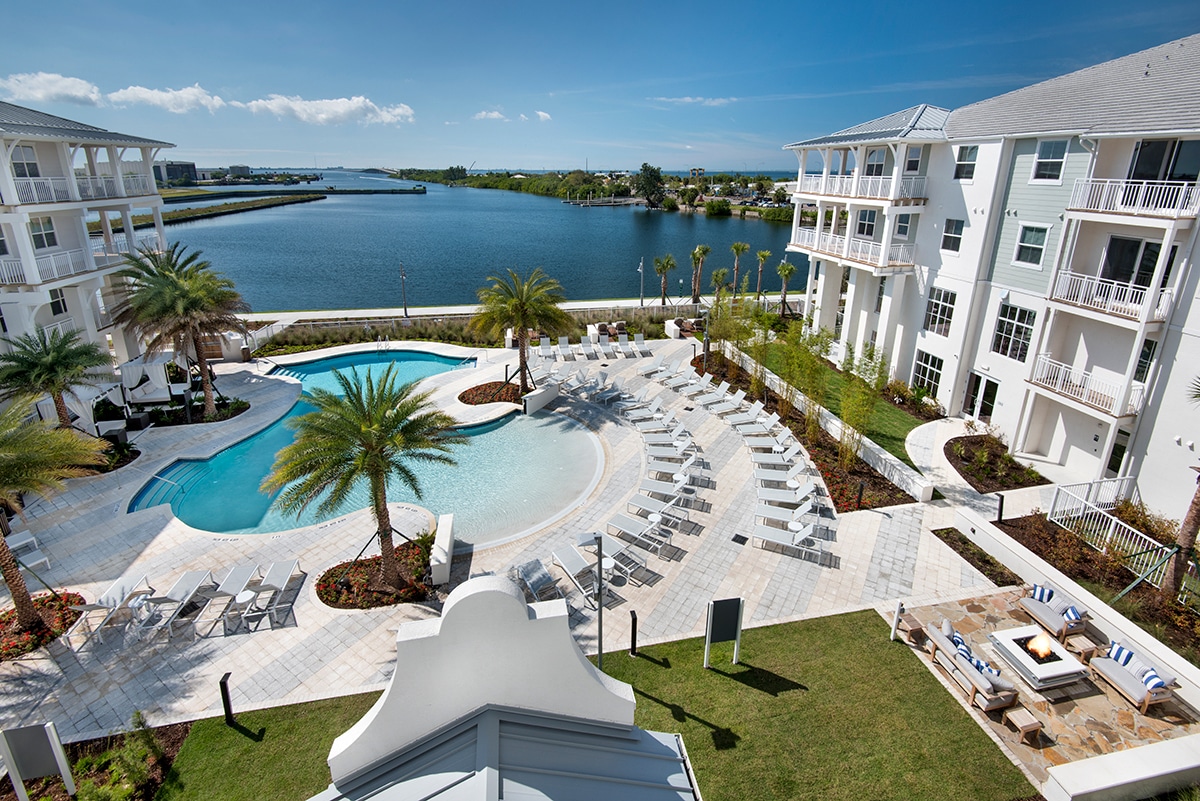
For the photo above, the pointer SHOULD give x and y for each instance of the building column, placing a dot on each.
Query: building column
(899, 153)
(159, 228)
(850, 320)
(889, 316)
(828, 291)
(106, 230)
(860, 158)
(868, 286)
(68, 168)
(86, 239)
(127, 225)
(8, 187)
(114, 165)
(25, 250)
(889, 229)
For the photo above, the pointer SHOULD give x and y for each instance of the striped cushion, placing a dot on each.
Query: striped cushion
(983, 667)
(1043, 594)
(1119, 654)
(965, 652)
(1151, 680)
(958, 640)
(1071, 614)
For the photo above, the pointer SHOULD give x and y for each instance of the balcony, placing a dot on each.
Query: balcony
(105, 254)
(1163, 199)
(88, 187)
(43, 190)
(1101, 294)
(138, 184)
(875, 187)
(863, 251)
(50, 267)
(1098, 393)
(96, 187)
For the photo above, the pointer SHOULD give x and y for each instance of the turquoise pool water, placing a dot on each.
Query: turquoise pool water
(516, 473)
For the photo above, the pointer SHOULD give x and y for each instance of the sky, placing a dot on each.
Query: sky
(540, 85)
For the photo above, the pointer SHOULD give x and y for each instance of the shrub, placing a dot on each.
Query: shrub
(128, 767)
(718, 208)
(670, 204)
(783, 215)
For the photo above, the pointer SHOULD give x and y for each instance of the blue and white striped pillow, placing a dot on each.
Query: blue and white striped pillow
(1043, 594)
(965, 652)
(1071, 614)
(958, 640)
(1152, 681)
(1119, 654)
(983, 667)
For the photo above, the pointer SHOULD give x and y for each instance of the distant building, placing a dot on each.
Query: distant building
(239, 170)
(170, 171)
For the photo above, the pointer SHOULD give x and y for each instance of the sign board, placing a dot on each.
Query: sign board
(724, 624)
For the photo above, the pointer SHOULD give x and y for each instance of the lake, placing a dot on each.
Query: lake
(343, 252)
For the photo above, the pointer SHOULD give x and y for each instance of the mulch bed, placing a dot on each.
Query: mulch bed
(491, 392)
(987, 465)
(355, 585)
(978, 558)
(170, 741)
(57, 614)
(1167, 620)
(227, 409)
(843, 486)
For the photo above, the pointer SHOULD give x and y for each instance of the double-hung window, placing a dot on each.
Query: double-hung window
(1014, 331)
(952, 236)
(24, 162)
(58, 302)
(964, 162)
(903, 224)
(912, 159)
(1031, 246)
(875, 159)
(927, 372)
(1048, 165)
(879, 295)
(41, 229)
(866, 223)
(939, 310)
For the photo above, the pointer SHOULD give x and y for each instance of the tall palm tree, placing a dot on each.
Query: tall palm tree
(53, 363)
(1186, 538)
(786, 270)
(720, 277)
(521, 304)
(36, 457)
(698, 256)
(373, 431)
(172, 297)
(763, 255)
(738, 249)
(662, 266)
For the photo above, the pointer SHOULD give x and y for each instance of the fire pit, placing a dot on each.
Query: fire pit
(1039, 658)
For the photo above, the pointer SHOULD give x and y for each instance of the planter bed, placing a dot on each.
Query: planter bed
(987, 465)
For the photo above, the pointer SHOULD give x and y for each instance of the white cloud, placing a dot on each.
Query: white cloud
(176, 101)
(50, 87)
(524, 118)
(490, 115)
(334, 111)
(703, 101)
(542, 116)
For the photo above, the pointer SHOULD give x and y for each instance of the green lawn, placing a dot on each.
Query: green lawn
(889, 426)
(825, 709)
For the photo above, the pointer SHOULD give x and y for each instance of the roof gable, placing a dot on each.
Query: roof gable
(918, 123)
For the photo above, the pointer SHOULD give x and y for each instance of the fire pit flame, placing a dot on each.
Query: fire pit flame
(1039, 645)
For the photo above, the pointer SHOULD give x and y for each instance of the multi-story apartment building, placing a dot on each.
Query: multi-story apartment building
(1027, 260)
(57, 176)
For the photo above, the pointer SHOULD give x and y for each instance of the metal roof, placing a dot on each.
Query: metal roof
(921, 123)
(1152, 90)
(25, 123)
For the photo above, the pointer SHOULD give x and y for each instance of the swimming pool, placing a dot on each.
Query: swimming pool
(517, 473)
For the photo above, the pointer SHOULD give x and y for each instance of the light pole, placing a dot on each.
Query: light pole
(642, 280)
(404, 289)
(597, 538)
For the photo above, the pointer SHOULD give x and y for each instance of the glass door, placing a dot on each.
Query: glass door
(980, 401)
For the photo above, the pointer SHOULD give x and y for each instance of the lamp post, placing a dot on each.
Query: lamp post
(597, 538)
(642, 280)
(404, 289)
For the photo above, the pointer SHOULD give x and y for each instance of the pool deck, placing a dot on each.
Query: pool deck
(877, 557)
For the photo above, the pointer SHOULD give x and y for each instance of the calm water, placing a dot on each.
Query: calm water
(343, 252)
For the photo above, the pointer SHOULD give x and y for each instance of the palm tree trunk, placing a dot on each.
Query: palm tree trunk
(27, 617)
(60, 406)
(389, 572)
(758, 291)
(210, 402)
(783, 298)
(696, 283)
(664, 290)
(522, 360)
(1186, 540)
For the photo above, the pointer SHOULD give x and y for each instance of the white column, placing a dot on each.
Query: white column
(890, 329)
(860, 158)
(864, 301)
(898, 156)
(24, 247)
(8, 187)
(889, 228)
(64, 158)
(851, 221)
(86, 239)
(159, 228)
(127, 225)
(849, 318)
(106, 228)
(114, 164)
(827, 156)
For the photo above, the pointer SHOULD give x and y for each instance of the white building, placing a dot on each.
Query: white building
(57, 175)
(1027, 260)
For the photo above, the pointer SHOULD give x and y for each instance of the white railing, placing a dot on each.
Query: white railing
(839, 185)
(1099, 393)
(806, 238)
(872, 186)
(96, 187)
(876, 186)
(811, 184)
(137, 184)
(1149, 198)
(63, 326)
(912, 187)
(1102, 294)
(1106, 492)
(63, 264)
(12, 272)
(861, 250)
(104, 252)
(43, 190)
(864, 250)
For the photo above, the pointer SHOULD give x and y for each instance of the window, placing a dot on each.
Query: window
(1014, 330)
(912, 160)
(58, 302)
(1145, 359)
(927, 372)
(866, 223)
(3, 325)
(3, 245)
(24, 162)
(964, 162)
(1031, 244)
(1048, 165)
(879, 295)
(42, 231)
(903, 223)
(875, 160)
(939, 310)
(952, 236)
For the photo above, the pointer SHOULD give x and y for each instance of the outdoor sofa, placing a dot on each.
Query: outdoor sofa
(1055, 611)
(1133, 675)
(988, 691)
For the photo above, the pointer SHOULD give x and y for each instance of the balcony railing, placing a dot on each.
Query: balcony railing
(1099, 393)
(96, 187)
(860, 250)
(1173, 199)
(138, 184)
(1123, 300)
(63, 326)
(43, 190)
(12, 272)
(105, 254)
(878, 187)
(63, 264)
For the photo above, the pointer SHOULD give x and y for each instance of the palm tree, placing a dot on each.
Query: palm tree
(53, 363)
(719, 278)
(172, 297)
(738, 249)
(521, 304)
(662, 266)
(36, 457)
(1186, 538)
(763, 255)
(786, 270)
(373, 431)
(698, 256)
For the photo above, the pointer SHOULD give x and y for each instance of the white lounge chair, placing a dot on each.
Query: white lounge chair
(546, 349)
(782, 514)
(585, 347)
(776, 460)
(636, 402)
(748, 416)
(730, 404)
(666, 489)
(639, 344)
(115, 603)
(639, 532)
(538, 581)
(575, 381)
(803, 542)
(698, 388)
(623, 347)
(714, 397)
(652, 426)
(651, 367)
(681, 379)
(671, 467)
(666, 438)
(769, 475)
(677, 450)
(653, 506)
(787, 496)
(235, 583)
(163, 611)
(580, 571)
(565, 352)
(752, 429)
(645, 412)
(612, 393)
(605, 347)
(275, 581)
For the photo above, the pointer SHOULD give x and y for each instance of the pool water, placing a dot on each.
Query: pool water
(515, 474)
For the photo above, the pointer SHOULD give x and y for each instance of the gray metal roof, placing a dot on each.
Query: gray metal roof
(535, 758)
(921, 123)
(25, 123)
(1153, 90)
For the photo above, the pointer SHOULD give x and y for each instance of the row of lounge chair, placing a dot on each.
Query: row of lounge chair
(601, 348)
(132, 606)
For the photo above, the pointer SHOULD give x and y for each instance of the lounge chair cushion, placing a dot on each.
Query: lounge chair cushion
(1152, 680)
(981, 682)
(1119, 654)
(1043, 593)
(1071, 613)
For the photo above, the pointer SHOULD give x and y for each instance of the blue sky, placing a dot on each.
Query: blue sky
(540, 85)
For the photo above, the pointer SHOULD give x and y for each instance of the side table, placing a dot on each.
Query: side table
(913, 627)
(1081, 645)
(1024, 721)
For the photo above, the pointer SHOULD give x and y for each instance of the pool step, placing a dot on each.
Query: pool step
(169, 483)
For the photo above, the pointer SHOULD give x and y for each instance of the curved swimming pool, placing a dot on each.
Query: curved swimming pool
(517, 473)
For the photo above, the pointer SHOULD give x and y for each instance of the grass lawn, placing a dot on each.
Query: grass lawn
(825, 709)
(274, 755)
(889, 425)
